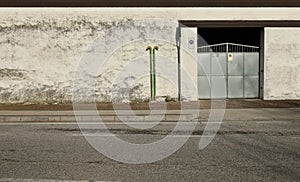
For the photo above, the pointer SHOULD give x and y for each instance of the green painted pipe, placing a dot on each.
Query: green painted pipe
(154, 72)
(149, 48)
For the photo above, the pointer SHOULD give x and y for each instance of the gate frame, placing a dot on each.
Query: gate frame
(261, 63)
(235, 48)
(243, 24)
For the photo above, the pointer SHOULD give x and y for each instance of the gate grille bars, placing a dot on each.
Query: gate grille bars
(228, 47)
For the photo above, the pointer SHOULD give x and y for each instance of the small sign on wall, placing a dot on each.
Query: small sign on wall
(191, 43)
(230, 56)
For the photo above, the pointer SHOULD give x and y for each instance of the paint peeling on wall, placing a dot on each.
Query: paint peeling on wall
(40, 56)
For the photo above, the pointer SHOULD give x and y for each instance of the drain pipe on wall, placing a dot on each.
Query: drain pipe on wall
(149, 48)
(178, 42)
(155, 48)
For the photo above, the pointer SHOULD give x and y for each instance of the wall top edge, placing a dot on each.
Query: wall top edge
(150, 7)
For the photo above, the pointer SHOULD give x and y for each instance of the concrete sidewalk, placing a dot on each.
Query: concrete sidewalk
(200, 104)
(257, 114)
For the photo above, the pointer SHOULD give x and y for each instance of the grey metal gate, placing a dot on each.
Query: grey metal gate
(236, 65)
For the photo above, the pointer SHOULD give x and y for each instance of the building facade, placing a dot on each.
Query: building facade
(42, 49)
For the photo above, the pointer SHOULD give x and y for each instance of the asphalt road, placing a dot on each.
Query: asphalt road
(241, 151)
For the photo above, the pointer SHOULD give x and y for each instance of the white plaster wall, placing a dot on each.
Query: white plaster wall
(282, 63)
(40, 49)
(189, 62)
(39, 61)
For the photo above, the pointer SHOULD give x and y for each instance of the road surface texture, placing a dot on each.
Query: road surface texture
(266, 150)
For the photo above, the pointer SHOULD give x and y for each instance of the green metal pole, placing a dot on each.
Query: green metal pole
(151, 72)
(154, 72)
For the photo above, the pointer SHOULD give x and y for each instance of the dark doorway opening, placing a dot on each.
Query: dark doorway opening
(245, 36)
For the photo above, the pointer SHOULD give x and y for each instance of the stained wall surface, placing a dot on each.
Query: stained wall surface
(42, 50)
(282, 63)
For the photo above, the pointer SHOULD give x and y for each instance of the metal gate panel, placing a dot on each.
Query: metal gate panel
(251, 63)
(219, 64)
(235, 87)
(218, 87)
(251, 86)
(204, 65)
(228, 71)
(235, 66)
(204, 90)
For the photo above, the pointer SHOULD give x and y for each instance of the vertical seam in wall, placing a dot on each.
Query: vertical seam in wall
(263, 59)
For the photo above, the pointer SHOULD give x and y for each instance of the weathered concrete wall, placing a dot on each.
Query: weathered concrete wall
(40, 58)
(282, 63)
(39, 55)
(40, 50)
